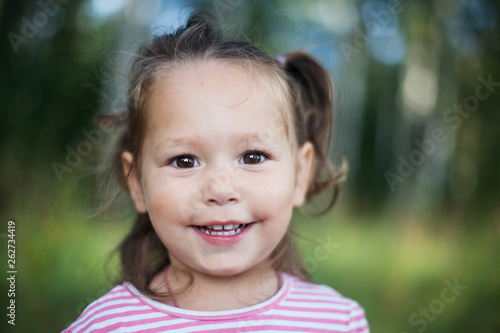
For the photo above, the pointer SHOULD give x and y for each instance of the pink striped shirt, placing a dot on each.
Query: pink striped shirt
(297, 307)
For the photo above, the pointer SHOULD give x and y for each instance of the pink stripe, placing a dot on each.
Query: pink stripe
(192, 323)
(305, 286)
(106, 300)
(318, 301)
(117, 315)
(358, 317)
(83, 318)
(301, 319)
(120, 305)
(317, 293)
(360, 329)
(273, 328)
(134, 323)
(301, 309)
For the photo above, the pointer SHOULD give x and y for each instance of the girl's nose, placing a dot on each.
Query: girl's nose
(221, 190)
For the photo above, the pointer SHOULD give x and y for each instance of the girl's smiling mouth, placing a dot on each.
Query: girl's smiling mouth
(219, 233)
(223, 230)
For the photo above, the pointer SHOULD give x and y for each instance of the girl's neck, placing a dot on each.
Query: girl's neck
(212, 293)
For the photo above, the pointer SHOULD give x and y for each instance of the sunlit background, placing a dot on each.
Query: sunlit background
(414, 237)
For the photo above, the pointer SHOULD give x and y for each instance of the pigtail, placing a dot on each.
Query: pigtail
(313, 93)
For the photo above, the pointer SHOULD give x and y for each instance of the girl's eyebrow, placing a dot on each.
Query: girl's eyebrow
(193, 141)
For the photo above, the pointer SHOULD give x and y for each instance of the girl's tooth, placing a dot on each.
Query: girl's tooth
(228, 230)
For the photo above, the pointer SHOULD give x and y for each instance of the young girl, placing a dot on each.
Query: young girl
(220, 142)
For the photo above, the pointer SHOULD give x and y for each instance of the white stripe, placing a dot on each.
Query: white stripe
(319, 306)
(315, 291)
(132, 318)
(166, 324)
(111, 312)
(101, 306)
(321, 297)
(315, 315)
(104, 300)
(359, 323)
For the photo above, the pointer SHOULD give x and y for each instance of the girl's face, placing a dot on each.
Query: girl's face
(216, 154)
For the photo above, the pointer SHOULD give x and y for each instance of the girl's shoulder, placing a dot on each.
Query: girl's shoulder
(319, 300)
(106, 308)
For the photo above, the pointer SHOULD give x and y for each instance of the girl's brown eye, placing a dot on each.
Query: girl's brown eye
(185, 162)
(252, 158)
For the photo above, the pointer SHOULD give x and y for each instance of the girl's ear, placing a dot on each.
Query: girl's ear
(134, 185)
(304, 165)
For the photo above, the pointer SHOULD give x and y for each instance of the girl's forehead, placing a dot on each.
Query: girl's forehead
(197, 90)
(202, 74)
(209, 83)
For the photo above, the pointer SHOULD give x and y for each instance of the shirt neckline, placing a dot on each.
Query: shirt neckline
(214, 315)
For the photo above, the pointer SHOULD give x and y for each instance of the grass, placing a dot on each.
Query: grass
(392, 268)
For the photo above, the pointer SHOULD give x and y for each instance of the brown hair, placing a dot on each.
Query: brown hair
(303, 88)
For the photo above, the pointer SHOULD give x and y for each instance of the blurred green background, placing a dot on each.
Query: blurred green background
(417, 87)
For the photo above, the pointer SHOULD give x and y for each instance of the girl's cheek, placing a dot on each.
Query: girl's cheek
(279, 183)
(275, 195)
(164, 195)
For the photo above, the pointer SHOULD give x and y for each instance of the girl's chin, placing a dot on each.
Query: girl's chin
(221, 265)
(217, 270)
